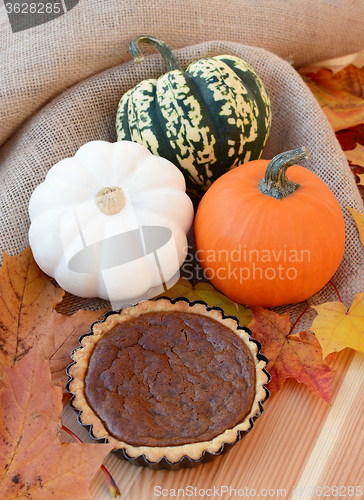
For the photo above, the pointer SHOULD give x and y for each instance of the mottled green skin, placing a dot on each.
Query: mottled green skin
(207, 120)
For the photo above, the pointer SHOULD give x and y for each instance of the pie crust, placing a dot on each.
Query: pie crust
(173, 454)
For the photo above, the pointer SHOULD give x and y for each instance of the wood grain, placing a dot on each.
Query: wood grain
(298, 442)
(332, 461)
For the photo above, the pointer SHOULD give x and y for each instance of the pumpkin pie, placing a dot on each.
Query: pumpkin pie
(168, 380)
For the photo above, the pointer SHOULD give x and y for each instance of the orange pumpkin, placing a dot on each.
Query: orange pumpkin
(265, 240)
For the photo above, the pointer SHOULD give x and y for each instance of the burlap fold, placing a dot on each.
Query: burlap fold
(38, 63)
(87, 111)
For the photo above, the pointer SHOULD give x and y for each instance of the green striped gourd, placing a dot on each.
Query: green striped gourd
(207, 120)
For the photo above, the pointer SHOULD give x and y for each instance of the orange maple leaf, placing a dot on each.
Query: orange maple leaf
(341, 95)
(296, 356)
(34, 464)
(27, 315)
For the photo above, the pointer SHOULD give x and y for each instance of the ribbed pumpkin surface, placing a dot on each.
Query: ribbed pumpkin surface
(260, 251)
(207, 120)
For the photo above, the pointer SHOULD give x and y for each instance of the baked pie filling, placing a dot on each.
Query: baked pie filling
(167, 380)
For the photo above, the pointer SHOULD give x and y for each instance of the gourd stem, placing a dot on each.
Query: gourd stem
(110, 200)
(275, 183)
(167, 54)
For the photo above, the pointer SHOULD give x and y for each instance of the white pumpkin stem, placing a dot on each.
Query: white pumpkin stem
(110, 200)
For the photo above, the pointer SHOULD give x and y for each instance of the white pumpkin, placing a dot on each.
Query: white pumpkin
(111, 222)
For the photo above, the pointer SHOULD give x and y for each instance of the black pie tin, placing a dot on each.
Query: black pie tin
(185, 461)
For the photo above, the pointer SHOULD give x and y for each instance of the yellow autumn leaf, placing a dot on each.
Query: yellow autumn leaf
(356, 156)
(359, 221)
(213, 298)
(336, 327)
(361, 179)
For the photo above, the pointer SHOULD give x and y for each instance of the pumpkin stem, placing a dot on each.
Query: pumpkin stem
(167, 54)
(275, 183)
(110, 200)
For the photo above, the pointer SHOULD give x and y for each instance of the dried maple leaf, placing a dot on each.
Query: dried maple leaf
(26, 298)
(350, 137)
(341, 95)
(336, 327)
(34, 465)
(59, 335)
(27, 314)
(213, 298)
(356, 156)
(359, 221)
(296, 356)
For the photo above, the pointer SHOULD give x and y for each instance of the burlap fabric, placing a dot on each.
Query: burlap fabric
(38, 63)
(87, 111)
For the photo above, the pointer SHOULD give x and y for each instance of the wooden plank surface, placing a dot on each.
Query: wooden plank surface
(299, 445)
(299, 442)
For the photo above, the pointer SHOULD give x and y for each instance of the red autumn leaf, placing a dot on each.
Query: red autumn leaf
(350, 137)
(27, 315)
(296, 356)
(341, 94)
(34, 464)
